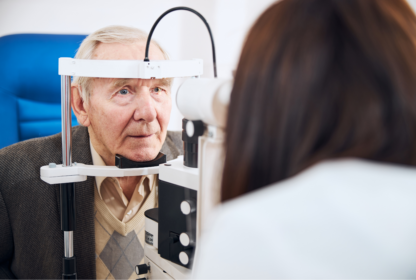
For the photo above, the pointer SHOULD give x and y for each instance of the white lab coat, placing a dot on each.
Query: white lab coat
(339, 219)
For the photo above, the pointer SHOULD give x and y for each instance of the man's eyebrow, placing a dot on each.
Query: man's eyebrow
(120, 82)
(159, 82)
(164, 82)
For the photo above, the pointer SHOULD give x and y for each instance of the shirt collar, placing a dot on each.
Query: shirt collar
(97, 160)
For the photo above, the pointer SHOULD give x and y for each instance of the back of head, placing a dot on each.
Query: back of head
(322, 79)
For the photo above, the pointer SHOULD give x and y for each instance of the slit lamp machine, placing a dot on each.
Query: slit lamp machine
(188, 185)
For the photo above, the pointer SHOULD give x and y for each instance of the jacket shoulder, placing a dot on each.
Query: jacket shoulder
(31, 149)
(26, 157)
(173, 146)
(176, 138)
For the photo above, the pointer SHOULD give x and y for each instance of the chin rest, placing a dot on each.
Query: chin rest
(122, 162)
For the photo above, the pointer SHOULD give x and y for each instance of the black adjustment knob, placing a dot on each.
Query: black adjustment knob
(142, 269)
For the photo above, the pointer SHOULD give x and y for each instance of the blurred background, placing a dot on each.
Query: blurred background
(181, 34)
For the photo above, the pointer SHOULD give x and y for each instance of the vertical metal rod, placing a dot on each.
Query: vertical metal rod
(69, 244)
(67, 190)
(66, 119)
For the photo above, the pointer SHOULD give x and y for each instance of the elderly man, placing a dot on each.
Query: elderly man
(117, 116)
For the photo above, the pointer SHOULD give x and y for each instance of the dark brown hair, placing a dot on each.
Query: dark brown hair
(321, 79)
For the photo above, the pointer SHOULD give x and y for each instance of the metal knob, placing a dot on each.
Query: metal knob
(142, 269)
(185, 257)
(184, 239)
(187, 207)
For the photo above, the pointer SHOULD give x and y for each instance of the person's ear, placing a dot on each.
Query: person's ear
(79, 106)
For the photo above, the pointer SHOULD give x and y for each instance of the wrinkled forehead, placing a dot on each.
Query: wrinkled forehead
(114, 83)
(132, 51)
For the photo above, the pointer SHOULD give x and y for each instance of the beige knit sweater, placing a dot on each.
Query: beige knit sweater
(119, 246)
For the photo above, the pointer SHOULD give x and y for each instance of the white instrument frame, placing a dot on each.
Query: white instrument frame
(134, 69)
(121, 69)
(67, 172)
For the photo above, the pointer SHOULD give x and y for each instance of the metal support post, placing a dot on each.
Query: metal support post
(66, 119)
(67, 190)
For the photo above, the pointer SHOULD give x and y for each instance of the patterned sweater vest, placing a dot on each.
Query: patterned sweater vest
(119, 246)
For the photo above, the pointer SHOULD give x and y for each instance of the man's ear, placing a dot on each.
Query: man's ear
(79, 106)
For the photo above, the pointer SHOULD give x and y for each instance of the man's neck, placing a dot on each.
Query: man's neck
(127, 184)
(105, 154)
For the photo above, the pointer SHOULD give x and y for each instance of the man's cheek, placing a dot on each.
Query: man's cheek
(165, 115)
(119, 116)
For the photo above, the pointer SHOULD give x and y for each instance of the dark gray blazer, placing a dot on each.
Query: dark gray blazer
(31, 240)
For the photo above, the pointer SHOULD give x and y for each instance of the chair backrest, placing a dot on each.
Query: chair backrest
(30, 87)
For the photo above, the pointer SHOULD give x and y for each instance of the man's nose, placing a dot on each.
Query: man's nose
(145, 108)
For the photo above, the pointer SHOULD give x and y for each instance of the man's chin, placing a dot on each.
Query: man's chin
(142, 156)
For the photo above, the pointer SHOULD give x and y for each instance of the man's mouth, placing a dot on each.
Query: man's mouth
(141, 136)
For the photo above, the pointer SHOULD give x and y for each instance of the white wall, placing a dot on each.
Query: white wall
(181, 33)
(412, 3)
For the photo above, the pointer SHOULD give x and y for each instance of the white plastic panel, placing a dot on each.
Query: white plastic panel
(205, 99)
(155, 272)
(179, 174)
(155, 69)
(80, 171)
(152, 227)
(64, 179)
(168, 268)
(95, 170)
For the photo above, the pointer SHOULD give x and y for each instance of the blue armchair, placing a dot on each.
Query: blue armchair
(30, 90)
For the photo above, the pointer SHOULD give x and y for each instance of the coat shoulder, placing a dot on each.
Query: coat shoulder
(173, 146)
(24, 158)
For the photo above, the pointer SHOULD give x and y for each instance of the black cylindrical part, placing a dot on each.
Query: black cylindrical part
(69, 268)
(68, 206)
(190, 154)
(142, 269)
(190, 142)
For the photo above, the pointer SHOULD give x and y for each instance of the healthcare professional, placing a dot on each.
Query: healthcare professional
(319, 177)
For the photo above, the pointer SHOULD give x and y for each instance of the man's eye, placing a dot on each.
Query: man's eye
(157, 90)
(123, 92)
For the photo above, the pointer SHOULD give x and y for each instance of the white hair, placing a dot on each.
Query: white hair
(107, 35)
